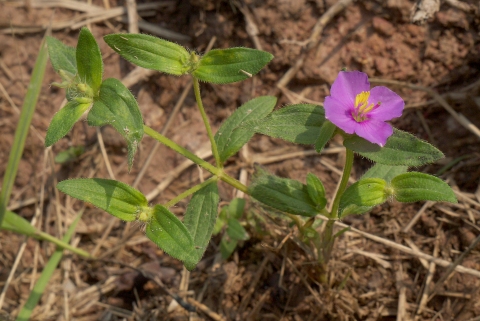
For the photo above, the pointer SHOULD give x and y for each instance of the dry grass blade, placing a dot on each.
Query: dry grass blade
(420, 255)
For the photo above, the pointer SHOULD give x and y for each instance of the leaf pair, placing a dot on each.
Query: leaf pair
(113, 103)
(186, 242)
(382, 182)
(218, 66)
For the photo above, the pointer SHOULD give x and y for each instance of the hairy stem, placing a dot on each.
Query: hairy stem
(190, 191)
(198, 97)
(219, 172)
(343, 183)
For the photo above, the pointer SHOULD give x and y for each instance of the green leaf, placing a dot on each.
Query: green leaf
(316, 191)
(362, 196)
(151, 52)
(62, 56)
(200, 217)
(227, 246)
(223, 66)
(386, 172)
(236, 231)
(116, 106)
(295, 123)
(169, 234)
(64, 120)
(89, 60)
(401, 149)
(414, 186)
(236, 207)
(326, 132)
(15, 223)
(114, 197)
(286, 195)
(69, 155)
(231, 136)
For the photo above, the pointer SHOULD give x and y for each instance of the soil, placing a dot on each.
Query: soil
(272, 276)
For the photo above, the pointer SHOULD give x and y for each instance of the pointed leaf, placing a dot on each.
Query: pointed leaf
(15, 223)
(89, 60)
(151, 52)
(227, 246)
(62, 56)
(326, 132)
(169, 234)
(236, 231)
(385, 172)
(413, 186)
(64, 120)
(401, 149)
(286, 195)
(200, 217)
(114, 197)
(231, 136)
(116, 106)
(362, 196)
(295, 123)
(316, 191)
(222, 66)
(236, 207)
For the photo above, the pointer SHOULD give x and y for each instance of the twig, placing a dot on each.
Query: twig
(454, 266)
(443, 263)
(132, 16)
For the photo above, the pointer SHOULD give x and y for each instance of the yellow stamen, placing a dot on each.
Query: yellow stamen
(362, 107)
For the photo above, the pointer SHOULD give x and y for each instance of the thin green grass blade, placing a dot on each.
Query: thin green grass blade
(47, 273)
(23, 126)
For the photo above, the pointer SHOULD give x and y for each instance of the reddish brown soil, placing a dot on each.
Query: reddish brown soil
(372, 36)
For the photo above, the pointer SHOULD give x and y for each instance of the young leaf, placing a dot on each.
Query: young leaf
(295, 123)
(200, 217)
(236, 231)
(286, 195)
(116, 106)
(64, 120)
(169, 234)
(114, 197)
(227, 246)
(362, 196)
(385, 172)
(401, 149)
(150, 52)
(316, 191)
(326, 132)
(15, 223)
(414, 186)
(71, 154)
(231, 136)
(236, 207)
(62, 56)
(223, 66)
(89, 60)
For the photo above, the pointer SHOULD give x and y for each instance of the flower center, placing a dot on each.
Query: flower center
(362, 107)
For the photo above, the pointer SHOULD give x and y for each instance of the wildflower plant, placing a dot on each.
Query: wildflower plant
(353, 110)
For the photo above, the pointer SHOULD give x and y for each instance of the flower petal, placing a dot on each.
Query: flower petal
(391, 107)
(348, 84)
(374, 131)
(339, 114)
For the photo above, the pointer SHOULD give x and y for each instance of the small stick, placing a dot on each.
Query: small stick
(420, 255)
(454, 266)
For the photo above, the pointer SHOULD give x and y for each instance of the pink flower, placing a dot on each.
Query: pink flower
(355, 108)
